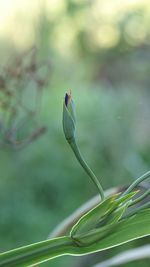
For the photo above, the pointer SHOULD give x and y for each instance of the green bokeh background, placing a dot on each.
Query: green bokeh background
(101, 51)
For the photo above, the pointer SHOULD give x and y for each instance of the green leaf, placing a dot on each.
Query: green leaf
(131, 228)
(111, 222)
(123, 198)
(128, 229)
(117, 214)
(91, 219)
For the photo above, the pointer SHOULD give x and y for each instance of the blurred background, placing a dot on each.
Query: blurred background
(99, 49)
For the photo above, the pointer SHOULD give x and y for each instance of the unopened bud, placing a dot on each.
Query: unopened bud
(69, 118)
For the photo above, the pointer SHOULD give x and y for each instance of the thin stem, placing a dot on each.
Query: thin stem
(135, 211)
(90, 173)
(140, 198)
(136, 182)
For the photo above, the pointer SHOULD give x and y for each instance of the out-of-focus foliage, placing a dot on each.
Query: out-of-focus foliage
(21, 90)
(101, 50)
(106, 35)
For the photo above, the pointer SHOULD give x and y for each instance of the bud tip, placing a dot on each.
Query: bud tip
(67, 98)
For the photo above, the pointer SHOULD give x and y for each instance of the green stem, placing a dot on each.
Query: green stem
(136, 182)
(140, 198)
(37, 253)
(79, 157)
(135, 211)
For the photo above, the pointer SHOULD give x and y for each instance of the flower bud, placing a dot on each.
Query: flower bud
(69, 118)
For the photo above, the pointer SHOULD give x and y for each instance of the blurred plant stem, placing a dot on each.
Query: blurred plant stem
(137, 182)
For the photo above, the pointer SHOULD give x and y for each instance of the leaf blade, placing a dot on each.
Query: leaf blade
(127, 230)
(46, 250)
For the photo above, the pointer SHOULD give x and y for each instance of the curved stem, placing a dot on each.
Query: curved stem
(140, 198)
(37, 253)
(136, 182)
(86, 168)
(135, 211)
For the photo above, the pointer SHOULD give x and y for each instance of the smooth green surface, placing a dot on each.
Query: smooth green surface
(137, 182)
(129, 229)
(37, 253)
(87, 169)
(92, 218)
(100, 213)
